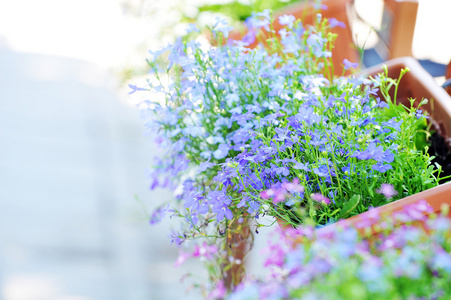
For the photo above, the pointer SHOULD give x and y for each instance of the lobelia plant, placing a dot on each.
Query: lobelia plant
(340, 144)
(243, 128)
(405, 262)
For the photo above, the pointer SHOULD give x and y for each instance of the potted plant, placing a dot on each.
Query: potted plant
(415, 84)
(236, 124)
(418, 84)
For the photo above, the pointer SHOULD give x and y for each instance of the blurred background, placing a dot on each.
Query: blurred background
(74, 197)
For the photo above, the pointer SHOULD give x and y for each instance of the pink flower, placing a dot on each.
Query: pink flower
(294, 186)
(320, 198)
(218, 292)
(181, 258)
(267, 194)
(277, 255)
(387, 190)
(205, 250)
(279, 196)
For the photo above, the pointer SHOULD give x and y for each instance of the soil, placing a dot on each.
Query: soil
(442, 155)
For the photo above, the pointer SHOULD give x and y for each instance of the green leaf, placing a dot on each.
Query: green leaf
(349, 206)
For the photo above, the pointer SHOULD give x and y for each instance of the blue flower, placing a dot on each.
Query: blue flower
(290, 44)
(393, 124)
(280, 170)
(192, 28)
(287, 20)
(158, 214)
(317, 43)
(225, 30)
(381, 167)
(205, 165)
(335, 23)
(232, 98)
(135, 88)
(221, 152)
(220, 202)
(372, 152)
(301, 166)
(349, 64)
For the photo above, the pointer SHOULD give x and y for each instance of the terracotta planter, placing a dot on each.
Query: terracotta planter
(305, 11)
(419, 84)
(415, 84)
(447, 84)
(434, 197)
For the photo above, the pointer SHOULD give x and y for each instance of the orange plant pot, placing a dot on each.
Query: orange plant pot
(306, 12)
(419, 84)
(416, 84)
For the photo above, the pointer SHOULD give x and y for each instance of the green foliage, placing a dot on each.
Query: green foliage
(238, 11)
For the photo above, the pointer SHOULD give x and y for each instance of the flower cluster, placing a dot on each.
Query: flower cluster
(216, 103)
(338, 140)
(406, 262)
(237, 121)
(271, 130)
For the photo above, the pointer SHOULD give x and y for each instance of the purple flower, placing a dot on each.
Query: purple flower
(372, 152)
(301, 166)
(323, 171)
(158, 214)
(280, 170)
(192, 199)
(335, 23)
(224, 211)
(242, 119)
(419, 114)
(388, 156)
(387, 190)
(205, 165)
(349, 64)
(243, 202)
(176, 238)
(381, 167)
(393, 124)
(249, 37)
(220, 202)
(254, 206)
(253, 108)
